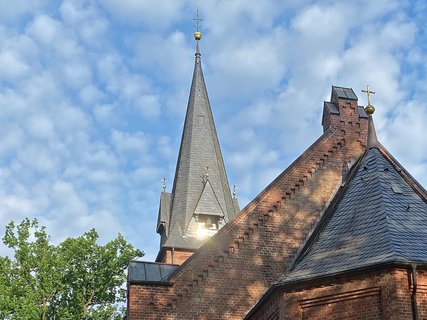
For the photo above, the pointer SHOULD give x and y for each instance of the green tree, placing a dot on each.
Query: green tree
(77, 279)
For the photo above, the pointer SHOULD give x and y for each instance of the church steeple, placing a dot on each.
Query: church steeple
(200, 202)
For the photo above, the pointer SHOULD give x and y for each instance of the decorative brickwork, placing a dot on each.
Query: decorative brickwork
(231, 271)
(383, 294)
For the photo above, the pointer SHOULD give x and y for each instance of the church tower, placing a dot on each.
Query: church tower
(200, 202)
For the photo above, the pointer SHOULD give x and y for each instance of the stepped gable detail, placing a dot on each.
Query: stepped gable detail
(367, 256)
(233, 269)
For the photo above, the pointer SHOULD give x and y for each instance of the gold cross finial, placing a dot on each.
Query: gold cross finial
(164, 180)
(368, 93)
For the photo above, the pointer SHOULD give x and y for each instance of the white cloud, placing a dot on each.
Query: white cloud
(45, 29)
(170, 64)
(40, 126)
(125, 142)
(12, 10)
(158, 14)
(86, 20)
(12, 66)
(90, 95)
(93, 95)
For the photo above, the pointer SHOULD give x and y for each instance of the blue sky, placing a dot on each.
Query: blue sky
(93, 97)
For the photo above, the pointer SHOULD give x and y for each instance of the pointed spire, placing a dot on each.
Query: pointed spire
(200, 189)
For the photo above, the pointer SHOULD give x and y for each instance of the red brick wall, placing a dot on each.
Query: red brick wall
(178, 256)
(226, 277)
(422, 294)
(384, 294)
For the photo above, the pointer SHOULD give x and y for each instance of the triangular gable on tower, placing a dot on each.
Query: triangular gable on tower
(208, 203)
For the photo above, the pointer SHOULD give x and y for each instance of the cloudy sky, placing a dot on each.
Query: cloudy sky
(93, 95)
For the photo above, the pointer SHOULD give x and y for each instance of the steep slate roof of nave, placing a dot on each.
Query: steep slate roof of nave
(377, 218)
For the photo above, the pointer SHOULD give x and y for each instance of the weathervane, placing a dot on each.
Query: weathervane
(198, 20)
(164, 180)
(369, 109)
(197, 34)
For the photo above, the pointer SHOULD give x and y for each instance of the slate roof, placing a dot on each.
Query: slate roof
(345, 93)
(208, 203)
(199, 149)
(331, 107)
(164, 211)
(376, 218)
(149, 272)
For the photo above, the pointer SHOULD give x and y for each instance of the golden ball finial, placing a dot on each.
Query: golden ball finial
(369, 109)
(197, 35)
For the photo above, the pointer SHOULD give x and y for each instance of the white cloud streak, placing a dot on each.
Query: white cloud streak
(93, 94)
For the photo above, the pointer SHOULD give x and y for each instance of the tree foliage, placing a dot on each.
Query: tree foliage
(77, 279)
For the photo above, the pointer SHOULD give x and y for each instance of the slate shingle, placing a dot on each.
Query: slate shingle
(369, 225)
(199, 149)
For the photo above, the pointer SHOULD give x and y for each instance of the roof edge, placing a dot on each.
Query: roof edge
(388, 264)
(418, 188)
(279, 285)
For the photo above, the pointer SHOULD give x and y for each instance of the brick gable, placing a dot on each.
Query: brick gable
(231, 271)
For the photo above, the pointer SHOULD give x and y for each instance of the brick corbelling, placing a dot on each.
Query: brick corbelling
(366, 288)
(259, 217)
(256, 246)
(369, 294)
(287, 183)
(283, 188)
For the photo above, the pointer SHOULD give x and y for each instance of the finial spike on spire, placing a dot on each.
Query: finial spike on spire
(197, 48)
(372, 134)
